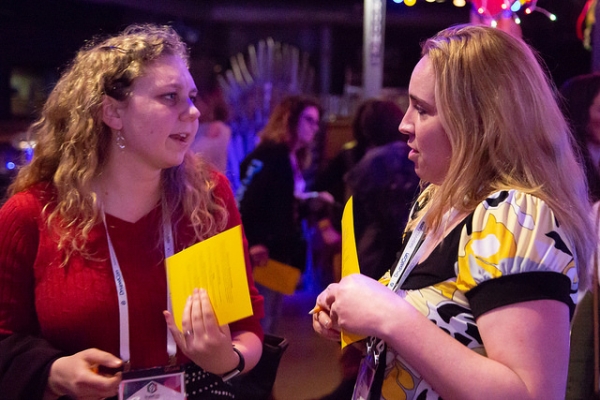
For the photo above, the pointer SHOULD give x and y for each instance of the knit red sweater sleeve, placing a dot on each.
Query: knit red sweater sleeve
(19, 236)
(252, 324)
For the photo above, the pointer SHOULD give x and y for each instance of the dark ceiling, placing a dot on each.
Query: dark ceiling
(42, 35)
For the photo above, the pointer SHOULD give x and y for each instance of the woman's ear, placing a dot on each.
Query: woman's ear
(110, 113)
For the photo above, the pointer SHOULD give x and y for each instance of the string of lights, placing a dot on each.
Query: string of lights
(494, 10)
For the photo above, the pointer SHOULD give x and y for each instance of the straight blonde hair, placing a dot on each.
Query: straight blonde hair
(500, 112)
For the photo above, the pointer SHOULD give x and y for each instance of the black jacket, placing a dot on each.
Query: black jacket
(267, 204)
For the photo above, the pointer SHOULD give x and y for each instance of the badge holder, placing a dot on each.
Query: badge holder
(368, 369)
(161, 383)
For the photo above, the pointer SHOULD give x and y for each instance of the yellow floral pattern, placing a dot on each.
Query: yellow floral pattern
(509, 233)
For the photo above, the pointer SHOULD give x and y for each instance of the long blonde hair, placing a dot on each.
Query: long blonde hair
(73, 142)
(499, 110)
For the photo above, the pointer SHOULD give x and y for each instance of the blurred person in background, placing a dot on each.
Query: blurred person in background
(273, 188)
(213, 136)
(581, 104)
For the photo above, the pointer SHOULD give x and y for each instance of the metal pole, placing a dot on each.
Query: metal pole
(373, 47)
(325, 63)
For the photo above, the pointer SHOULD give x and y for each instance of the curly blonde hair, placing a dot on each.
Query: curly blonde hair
(500, 112)
(73, 141)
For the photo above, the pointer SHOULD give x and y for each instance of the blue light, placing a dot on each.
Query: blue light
(398, 1)
(10, 165)
(28, 154)
(516, 6)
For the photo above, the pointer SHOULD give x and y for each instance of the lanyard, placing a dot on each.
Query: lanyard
(409, 257)
(408, 260)
(122, 291)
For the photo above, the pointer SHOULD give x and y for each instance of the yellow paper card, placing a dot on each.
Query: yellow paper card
(277, 276)
(216, 264)
(349, 258)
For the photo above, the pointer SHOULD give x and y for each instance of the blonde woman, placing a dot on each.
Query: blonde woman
(111, 191)
(497, 245)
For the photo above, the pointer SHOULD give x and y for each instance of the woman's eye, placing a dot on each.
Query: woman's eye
(193, 98)
(419, 110)
(170, 96)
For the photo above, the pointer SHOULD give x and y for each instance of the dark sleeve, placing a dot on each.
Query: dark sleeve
(526, 286)
(331, 178)
(251, 323)
(25, 363)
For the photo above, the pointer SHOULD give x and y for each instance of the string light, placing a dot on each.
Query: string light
(494, 10)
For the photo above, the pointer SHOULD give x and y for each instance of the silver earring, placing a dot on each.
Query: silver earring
(120, 140)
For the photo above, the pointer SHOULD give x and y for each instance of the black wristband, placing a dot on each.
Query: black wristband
(238, 369)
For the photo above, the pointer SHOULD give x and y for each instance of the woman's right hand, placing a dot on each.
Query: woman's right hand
(76, 376)
(322, 323)
(259, 255)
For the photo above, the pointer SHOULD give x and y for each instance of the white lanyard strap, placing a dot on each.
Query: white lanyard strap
(122, 294)
(122, 291)
(169, 251)
(409, 257)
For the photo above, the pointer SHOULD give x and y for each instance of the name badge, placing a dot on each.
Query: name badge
(366, 375)
(161, 383)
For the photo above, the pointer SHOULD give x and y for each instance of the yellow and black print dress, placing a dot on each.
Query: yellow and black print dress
(511, 249)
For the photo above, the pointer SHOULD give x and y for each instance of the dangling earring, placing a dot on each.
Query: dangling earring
(120, 140)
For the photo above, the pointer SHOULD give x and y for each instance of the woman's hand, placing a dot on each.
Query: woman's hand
(203, 341)
(259, 255)
(75, 376)
(358, 304)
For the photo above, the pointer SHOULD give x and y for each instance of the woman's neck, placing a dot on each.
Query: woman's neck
(127, 195)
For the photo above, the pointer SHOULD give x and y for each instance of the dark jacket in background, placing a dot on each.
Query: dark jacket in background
(267, 203)
(383, 185)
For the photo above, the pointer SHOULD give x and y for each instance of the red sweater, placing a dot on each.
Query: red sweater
(75, 307)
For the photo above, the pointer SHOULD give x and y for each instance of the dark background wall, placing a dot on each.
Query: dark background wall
(40, 36)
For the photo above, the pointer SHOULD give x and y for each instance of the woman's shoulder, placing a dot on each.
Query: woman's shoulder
(520, 213)
(513, 232)
(41, 193)
(28, 204)
(521, 224)
(270, 149)
(522, 204)
(269, 155)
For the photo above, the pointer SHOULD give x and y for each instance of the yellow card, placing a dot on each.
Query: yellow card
(216, 264)
(277, 276)
(349, 258)
(349, 252)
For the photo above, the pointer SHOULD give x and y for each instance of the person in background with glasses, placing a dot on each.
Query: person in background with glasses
(113, 189)
(272, 188)
(479, 302)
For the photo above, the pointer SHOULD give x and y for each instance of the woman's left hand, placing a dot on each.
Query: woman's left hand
(203, 341)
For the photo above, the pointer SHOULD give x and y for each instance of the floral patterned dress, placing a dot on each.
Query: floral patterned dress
(510, 249)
